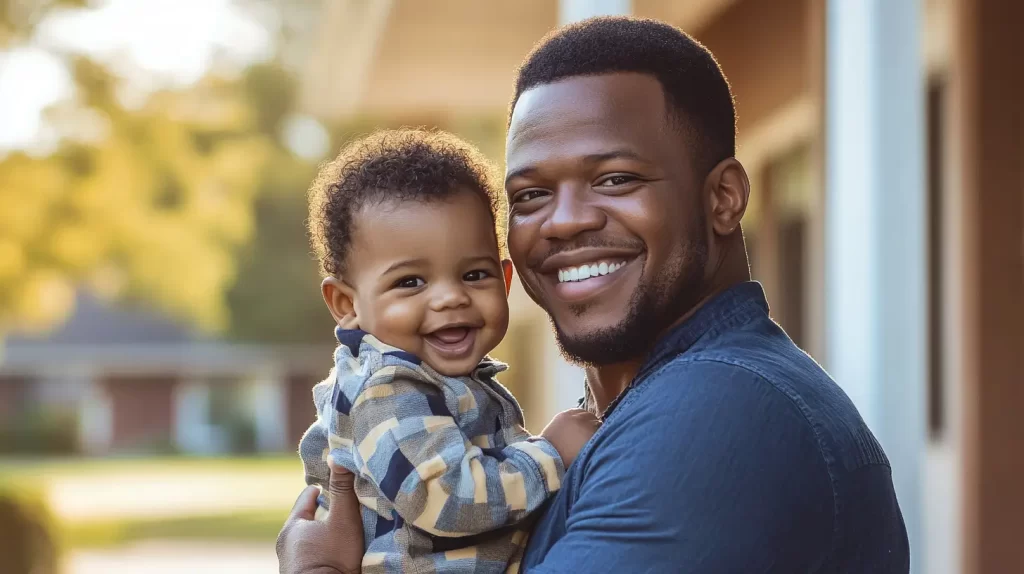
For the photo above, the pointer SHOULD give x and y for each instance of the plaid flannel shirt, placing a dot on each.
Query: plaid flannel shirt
(446, 473)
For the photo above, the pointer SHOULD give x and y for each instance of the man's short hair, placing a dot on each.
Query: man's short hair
(696, 90)
(394, 165)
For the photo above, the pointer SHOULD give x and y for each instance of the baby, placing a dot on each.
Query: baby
(406, 225)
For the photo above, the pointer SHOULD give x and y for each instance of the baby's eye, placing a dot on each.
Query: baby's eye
(476, 275)
(410, 283)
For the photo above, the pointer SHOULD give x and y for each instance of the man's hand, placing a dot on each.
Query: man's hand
(569, 431)
(333, 545)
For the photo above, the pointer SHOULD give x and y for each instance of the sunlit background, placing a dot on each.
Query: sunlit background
(160, 319)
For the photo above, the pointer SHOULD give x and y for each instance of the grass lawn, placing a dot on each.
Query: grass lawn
(43, 469)
(256, 526)
(53, 481)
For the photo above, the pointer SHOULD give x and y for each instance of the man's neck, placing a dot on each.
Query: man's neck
(606, 382)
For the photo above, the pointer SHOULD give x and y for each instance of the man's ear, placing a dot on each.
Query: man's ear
(728, 190)
(506, 270)
(340, 299)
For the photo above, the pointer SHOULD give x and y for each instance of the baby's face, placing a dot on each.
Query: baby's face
(427, 278)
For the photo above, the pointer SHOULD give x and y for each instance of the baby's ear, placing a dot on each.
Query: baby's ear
(340, 300)
(506, 269)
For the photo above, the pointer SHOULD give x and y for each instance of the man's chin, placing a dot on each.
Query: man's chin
(598, 347)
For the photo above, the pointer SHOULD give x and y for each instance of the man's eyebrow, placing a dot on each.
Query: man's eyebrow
(587, 159)
(614, 154)
(521, 172)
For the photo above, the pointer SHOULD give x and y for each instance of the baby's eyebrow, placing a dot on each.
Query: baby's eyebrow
(404, 263)
(481, 258)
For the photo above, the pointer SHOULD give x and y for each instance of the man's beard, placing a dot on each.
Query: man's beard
(654, 306)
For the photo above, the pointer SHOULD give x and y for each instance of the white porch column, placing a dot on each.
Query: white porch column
(565, 383)
(875, 253)
(192, 430)
(265, 393)
(96, 417)
(573, 10)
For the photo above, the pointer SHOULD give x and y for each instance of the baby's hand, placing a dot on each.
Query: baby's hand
(569, 431)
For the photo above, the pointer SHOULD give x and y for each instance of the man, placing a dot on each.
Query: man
(724, 448)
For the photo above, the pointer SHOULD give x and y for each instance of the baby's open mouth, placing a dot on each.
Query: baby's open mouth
(453, 342)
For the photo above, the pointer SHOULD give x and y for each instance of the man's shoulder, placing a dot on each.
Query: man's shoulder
(773, 377)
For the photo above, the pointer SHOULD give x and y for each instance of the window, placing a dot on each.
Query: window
(781, 252)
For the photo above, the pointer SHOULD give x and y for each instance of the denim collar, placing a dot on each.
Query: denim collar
(737, 304)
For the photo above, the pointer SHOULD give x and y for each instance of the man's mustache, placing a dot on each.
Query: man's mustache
(592, 242)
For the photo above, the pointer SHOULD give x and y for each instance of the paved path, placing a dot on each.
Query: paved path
(158, 557)
(177, 494)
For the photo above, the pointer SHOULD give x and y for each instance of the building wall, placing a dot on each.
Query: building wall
(142, 410)
(762, 46)
(987, 89)
(14, 392)
(300, 409)
(491, 40)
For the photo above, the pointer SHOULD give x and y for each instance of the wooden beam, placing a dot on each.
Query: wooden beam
(989, 99)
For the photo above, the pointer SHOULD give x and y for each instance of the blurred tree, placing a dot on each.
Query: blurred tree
(276, 298)
(146, 202)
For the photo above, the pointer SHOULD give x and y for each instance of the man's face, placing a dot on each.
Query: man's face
(607, 225)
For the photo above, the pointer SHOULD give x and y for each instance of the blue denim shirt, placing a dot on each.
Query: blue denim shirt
(733, 452)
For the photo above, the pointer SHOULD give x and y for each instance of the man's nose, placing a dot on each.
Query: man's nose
(449, 295)
(573, 212)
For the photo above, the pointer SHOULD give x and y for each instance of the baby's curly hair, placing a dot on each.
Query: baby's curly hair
(404, 165)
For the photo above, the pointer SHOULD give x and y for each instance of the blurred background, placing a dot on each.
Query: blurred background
(160, 319)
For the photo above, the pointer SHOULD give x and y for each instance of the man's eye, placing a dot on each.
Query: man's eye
(410, 283)
(528, 195)
(620, 179)
(476, 275)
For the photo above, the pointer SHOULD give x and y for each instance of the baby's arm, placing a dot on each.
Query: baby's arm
(569, 431)
(315, 443)
(409, 445)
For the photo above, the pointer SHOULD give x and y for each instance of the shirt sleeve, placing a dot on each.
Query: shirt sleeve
(315, 445)
(722, 474)
(407, 442)
(313, 452)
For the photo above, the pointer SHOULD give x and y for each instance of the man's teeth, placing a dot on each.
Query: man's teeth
(582, 272)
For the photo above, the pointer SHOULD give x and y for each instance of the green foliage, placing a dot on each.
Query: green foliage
(277, 296)
(152, 207)
(256, 526)
(39, 432)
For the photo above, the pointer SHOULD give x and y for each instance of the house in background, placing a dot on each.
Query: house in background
(135, 381)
